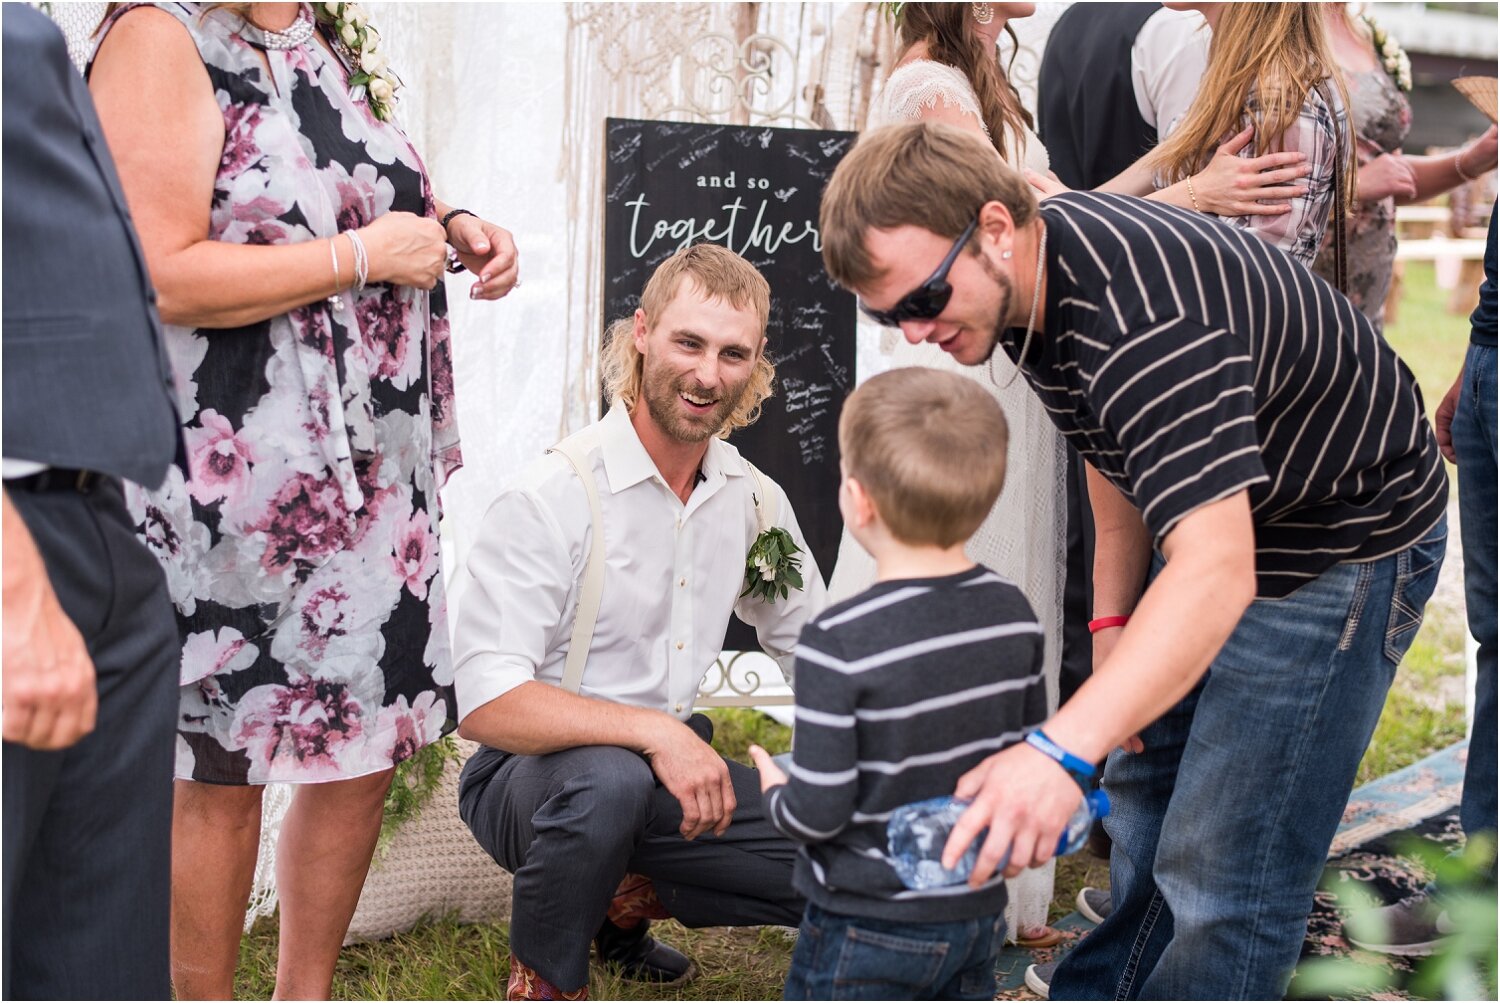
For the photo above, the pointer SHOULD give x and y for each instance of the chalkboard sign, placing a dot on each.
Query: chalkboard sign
(756, 191)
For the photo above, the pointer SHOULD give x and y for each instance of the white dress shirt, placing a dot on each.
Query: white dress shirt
(673, 575)
(1167, 61)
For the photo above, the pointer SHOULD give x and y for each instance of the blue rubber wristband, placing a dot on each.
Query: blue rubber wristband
(1081, 770)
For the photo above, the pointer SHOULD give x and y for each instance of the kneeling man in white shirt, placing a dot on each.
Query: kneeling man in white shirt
(596, 786)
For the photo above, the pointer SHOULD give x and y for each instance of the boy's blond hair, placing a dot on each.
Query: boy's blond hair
(716, 272)
(929, 449)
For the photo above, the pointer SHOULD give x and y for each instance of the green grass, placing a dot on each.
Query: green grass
(736, 729)
(1429, 339)
(448, 960)
(459, 961)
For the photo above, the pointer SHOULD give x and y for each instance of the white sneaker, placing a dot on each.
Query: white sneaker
(1094, 904)
(1412, 928)
(1039, 978)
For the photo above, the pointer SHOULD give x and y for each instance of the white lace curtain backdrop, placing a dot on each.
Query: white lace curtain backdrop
(506, 104)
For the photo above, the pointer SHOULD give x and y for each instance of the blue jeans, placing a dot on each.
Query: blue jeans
(853, 958)
(1474, 442)
(1221, 826)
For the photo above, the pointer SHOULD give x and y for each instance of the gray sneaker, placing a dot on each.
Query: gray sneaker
(1412, 928)
(1039, 978)
(1094, 904)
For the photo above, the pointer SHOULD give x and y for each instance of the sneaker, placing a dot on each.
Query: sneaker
(1039, 978)
(1412, 928)
(1095, 904)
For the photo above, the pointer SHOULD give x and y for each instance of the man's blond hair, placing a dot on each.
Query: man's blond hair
(719, 274)
(924, 174)
(928, 447)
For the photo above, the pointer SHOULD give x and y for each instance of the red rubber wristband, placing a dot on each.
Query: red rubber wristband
(1106, 622)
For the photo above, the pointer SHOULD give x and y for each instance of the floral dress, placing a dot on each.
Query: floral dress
(301, 549)
(1382, 117)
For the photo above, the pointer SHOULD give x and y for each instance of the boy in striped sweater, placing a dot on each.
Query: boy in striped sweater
(901, 690)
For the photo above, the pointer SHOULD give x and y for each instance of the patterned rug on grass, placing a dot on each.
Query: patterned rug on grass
(1421, 801)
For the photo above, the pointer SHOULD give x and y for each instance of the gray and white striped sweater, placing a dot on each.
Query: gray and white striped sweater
(900, 691)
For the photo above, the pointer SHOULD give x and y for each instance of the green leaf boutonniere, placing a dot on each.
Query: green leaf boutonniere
(771, 566)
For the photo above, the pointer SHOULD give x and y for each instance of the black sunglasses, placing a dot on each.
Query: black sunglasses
(931, 297)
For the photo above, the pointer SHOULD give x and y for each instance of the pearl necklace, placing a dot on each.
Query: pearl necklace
(298, 33)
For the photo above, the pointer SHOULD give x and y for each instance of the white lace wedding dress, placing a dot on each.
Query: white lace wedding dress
(1024, 537)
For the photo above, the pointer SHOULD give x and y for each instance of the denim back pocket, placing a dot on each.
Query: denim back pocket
(1417, 570)
(978, 981)
(878, 965)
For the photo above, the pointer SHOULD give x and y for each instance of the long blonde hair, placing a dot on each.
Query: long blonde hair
(1278, 52)
(717, 273)
(951, 39)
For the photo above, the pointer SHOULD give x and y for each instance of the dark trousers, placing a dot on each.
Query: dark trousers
(1078, 583)
(87, 844)
(570, 825)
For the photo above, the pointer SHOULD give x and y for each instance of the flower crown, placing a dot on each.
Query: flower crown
(359, 44)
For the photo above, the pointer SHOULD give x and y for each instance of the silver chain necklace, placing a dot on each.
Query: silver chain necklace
(298, 33)
(1036, 299)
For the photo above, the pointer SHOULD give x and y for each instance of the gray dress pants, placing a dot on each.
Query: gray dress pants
(570, 825)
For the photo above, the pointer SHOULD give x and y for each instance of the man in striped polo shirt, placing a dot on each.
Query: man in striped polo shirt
(1268, 499)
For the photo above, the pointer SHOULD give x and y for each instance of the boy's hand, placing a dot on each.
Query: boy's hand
(770, 774)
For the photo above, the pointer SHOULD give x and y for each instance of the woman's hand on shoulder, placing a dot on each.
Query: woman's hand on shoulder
(1046, 185)
(405, 249)
(488, 252)
(1232, 185)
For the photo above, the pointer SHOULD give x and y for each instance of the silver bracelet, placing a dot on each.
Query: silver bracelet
(338, 281)
(361, 260)
(1458, 165)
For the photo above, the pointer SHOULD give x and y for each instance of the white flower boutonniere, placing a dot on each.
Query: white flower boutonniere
(1392, 57)
(772, 567)
(369, 69)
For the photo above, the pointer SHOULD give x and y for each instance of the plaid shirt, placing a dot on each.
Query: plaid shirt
(1317, 131)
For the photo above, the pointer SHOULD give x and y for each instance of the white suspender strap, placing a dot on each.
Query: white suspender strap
(764, 517)
(593, 574)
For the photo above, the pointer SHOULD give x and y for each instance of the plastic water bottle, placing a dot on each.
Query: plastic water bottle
(917, 833)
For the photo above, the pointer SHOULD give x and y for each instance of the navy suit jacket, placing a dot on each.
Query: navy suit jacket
(87, 383)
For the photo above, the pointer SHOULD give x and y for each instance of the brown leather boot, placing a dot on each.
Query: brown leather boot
(526, 984)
